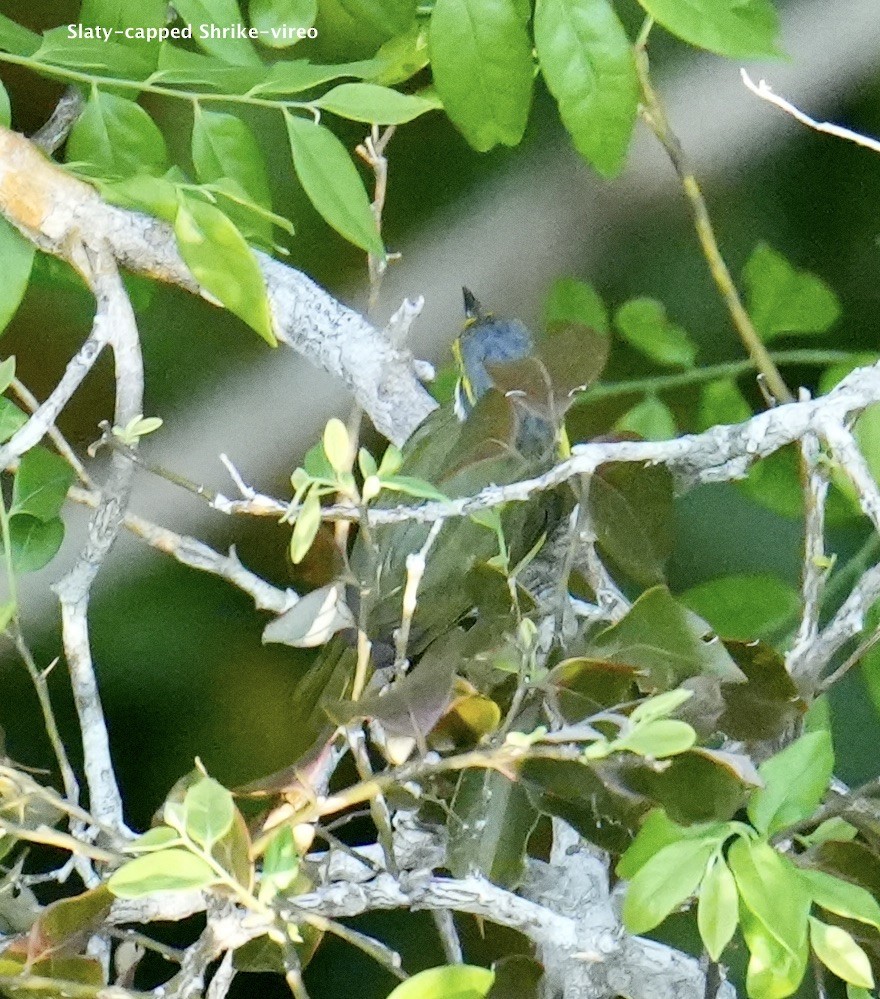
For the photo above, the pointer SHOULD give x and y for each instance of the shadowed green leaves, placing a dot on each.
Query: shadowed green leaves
(784, 301)
(632, 509)
(489, 825)
(481, 58)
(666, 642)
(795, 781)
(644, 324)
(744, 607)
(587, 61)
(272, 17)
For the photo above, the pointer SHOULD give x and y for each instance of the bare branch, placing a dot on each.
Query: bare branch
(763, 90)
(64, 216)
(115, 315)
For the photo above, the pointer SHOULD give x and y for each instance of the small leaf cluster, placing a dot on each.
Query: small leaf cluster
(741, 878)
(32, 530)
(326, 471)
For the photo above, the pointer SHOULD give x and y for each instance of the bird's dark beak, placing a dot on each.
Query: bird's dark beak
(471, 306)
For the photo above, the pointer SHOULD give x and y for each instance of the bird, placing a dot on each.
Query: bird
(495, 433)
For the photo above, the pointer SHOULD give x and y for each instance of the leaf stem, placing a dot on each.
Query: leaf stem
(709, 373)
(655, 117)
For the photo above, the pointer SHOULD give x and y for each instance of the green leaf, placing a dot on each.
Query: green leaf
(285, 78)
(158, 838)
(588, 63)
(659, 831)
(644, 324)
(223, 263)
(737, 28)
(666, 641)
(451, 981)
(722, 403)
(180, 66)
(272, 17)
(717, 908)
(744, 606)
(651, 418)
(332, 183)
(218, 14)
(667, 880)
(837, 950)
(93, 56)
(576, 301)
(489, 825)
(660, 706)
(208, 812)
(224, 146)
(11, 419)
(842, 897)
(370, 103)
(410, 486)
(280, 864)
(773, 972)
(771, 888)
(795, 780)
(166, 870)
(16, 261)
(5, 107)
(783, 300)
(16, 39)
(308, 521)
(40, 485)
(481, 59)
(659, 739)
(116, 137)
(144, 193)
(388, 17)
(768, 704)
(35, 542)
(633, 511)
(336, 445)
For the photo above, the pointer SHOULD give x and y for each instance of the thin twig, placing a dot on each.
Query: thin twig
(815, 570)
(655, 116)
(763, 90)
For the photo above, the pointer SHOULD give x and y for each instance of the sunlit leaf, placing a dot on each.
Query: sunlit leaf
(371, 103)
(837, 950)
(219, 14)
(737, 28)
(718, 908)
(645, 325)
(116, 137)
(332, 183)
(651, 419)
(223, 263)
(166, 870)
(795, 781)
(208, 811)
(17, 256)
(571, 300)
(278, 20)
(842, 897)
(452, 981)
(587, 61)
(667, 880)
(746, 606)
(481, 58)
